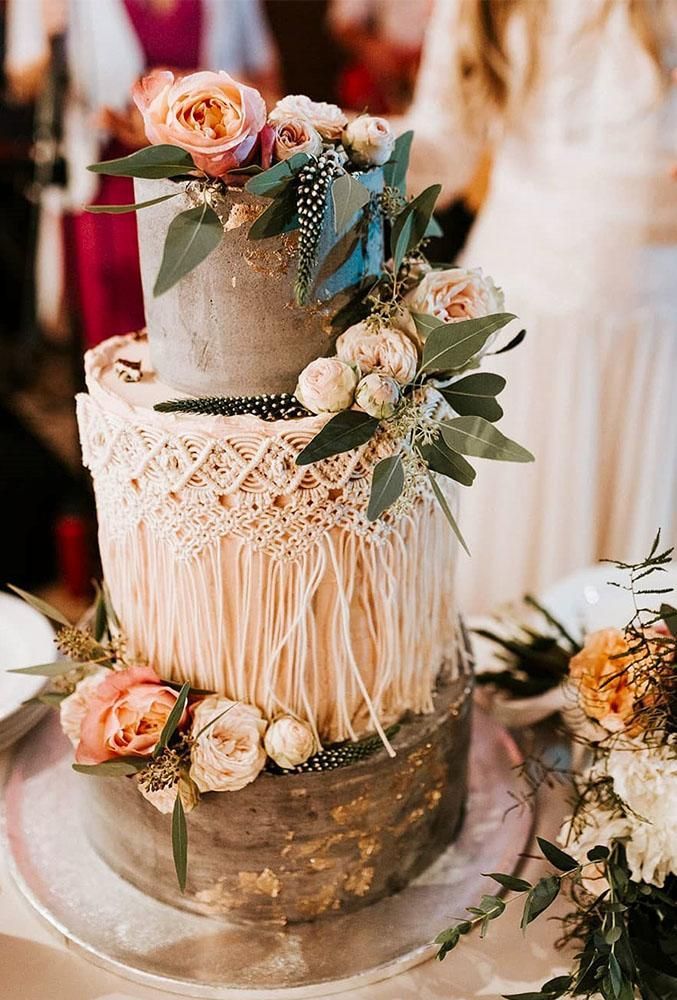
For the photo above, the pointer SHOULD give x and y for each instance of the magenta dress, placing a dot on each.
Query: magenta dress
(105, 280)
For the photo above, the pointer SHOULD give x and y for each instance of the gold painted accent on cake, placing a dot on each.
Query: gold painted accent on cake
(271, 262)
(368, 844)
(350, 811)
(241, 213)
(321, 864)
(326, 898)
(359, 883)
(433, 798)
(265, 883)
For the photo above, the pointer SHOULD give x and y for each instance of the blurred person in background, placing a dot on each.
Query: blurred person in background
(574, 99)
(383, 40)
(109, 44)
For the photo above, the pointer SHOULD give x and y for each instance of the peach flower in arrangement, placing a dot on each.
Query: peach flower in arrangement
(296, 136)
(455, 294)
(369, 141)
(228, 750)
(379, 349)
(613, 682)
(327, 119)
(125, 715)
(327, 385)
(213, 117)
(74, 708)
(289, 741)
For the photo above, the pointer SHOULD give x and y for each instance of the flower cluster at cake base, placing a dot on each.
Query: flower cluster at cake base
(617, 852)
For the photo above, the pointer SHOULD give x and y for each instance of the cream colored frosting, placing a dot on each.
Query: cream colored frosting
(234, 568)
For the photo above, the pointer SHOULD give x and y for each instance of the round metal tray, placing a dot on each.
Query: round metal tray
(119, 928)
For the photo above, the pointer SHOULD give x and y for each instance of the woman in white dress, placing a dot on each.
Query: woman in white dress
(580, 229)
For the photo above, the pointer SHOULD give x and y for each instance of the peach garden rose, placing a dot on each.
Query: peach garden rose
(327, 385)
(228, 749)
(213, 117)
(327, 119)
(125, 716)
(382, 349)
(455, 294)
(296, 136)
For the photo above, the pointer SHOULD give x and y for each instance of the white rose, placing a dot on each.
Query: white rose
(382, 349)
(296, 135)
(369, 141)
(74, 708)
(289, 742)
(455, 294)
(328, 119)
(229, 753)
(327, 385)
(164, 798)
(378, 395)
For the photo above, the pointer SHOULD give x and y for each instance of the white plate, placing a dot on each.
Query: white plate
(585, 601)
(26, 639)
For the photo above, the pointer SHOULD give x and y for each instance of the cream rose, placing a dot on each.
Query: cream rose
(328, 119)
(383, 349)
(73, 709)
(213, 117)
(455, 294)
(296, 136)
(327, 385)
(228, 754)
(378, 395)
(369, 141)
(289, 742)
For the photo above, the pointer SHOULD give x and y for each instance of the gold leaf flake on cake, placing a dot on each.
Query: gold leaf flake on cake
(349, 811)
(240, 214)
(265, 883)
(359, 882)
(271, 262)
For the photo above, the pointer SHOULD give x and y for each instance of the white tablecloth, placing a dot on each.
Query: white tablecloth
(36, 963)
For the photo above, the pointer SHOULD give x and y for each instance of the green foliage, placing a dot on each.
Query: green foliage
(510, 882)
(180, 841)
(478, 438)
(191, 237)
(55, 669)
(345, 431)
(122, 209)
(450, 346)
(446, 510)
(273, 182)
(557, 858)
(395, 170)
(410, 226)
(475, 395)
(173, 719)
(348, 198)
(542, 895)
(386, 486)
(439, 457)
(280, 216)
(151, 162)
(42, 606)
(669, 616)
(117, 768)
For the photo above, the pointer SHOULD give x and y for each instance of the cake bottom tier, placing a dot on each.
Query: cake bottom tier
(295, 847)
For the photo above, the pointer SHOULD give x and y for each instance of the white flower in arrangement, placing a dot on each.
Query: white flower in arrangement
(369, 141)
(327, 385)
(456, 294)
(289, 742)
(328, 119)
(228, 750)
(378, 395)
(296, 135)
(73, 709)
(379, 349)
(164, 798)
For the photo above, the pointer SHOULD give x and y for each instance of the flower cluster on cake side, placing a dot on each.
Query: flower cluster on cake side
(409, 335)
(617, 853)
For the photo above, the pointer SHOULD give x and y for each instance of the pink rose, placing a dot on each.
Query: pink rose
(213, 117)
(455, 294)
(125, 717)
(296, 136)
(327, 385)
(379, 348)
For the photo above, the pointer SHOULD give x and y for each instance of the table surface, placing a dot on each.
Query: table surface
(36, 963)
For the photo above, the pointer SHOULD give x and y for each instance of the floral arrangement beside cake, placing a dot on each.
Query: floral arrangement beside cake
(276, 464)
(617, 858)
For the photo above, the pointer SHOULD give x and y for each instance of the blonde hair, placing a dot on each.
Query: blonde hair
(484, 61)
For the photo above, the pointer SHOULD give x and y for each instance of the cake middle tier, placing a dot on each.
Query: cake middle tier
(233, 568)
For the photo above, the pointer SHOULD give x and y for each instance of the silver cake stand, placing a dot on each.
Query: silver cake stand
(119, 928)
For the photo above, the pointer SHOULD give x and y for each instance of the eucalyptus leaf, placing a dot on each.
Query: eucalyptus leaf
(386, 486)
(410, 225)
(540, 897)
(510, 882)
(191, 237)
(56, 669)
(173, 718)
(348, 198)
(425, 324)
(151, 162)
(120, 767)
(475, 395)
(281, 216)
(477, 437)
(451, 345)
(121, 209)
(440, 458)
(395, 170)
(52, 698)
(274, 181)
(433, 229)
(180, 841)
(563, 862)
(599, 853)
(442, 501)
(345, 431)
(512, 344)
(42, 606)
(669, 616)
(100, 622)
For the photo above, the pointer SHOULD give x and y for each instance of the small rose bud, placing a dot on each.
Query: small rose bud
(327, 385)
(378, 395)
(368, 141)
(289, 742)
